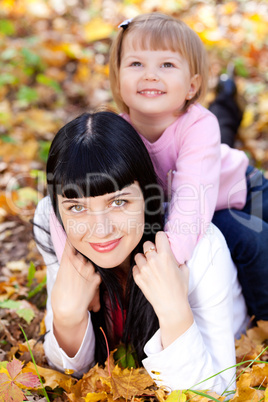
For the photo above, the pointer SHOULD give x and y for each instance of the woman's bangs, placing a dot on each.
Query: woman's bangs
(92, 175)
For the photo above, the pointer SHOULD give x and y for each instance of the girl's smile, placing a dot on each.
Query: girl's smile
(151, 93)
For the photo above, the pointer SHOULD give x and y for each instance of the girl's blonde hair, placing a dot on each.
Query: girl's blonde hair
(159, 31)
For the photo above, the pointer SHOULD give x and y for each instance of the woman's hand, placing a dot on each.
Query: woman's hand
(76, 290)
(165, 285)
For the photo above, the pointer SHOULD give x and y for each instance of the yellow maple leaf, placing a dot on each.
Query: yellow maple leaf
(52, 378)
(244, 392)
(260, 333)
(129, 382)
(259, 375)
(91, 381)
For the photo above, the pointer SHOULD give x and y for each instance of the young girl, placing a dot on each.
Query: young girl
(117, 270)
(158, 72)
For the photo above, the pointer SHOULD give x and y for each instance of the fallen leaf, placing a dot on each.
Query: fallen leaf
(129, 382)
(95, 397)
(259, 375)
(53, 378)
(13, 379)
(193, 397)
(244, 392)
(177, 396)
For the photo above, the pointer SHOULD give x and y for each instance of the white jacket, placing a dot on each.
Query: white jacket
(205, 349)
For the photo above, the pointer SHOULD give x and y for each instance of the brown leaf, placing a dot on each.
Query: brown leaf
(91, 381)
(191, 396)
(244, 392)
(52, 378)
(129, 382)
(260, 333)
(245, 349)
(259, 375)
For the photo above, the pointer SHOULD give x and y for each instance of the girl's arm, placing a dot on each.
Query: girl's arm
(203, 346)
(195, 181)
(70, 341)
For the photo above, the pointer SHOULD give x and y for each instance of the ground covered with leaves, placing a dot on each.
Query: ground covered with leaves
(54, 66)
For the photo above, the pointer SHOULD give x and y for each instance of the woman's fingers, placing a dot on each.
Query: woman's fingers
(149, 249)
(80, 263)
(162, 243)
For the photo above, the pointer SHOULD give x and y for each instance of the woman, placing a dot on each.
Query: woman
(117, 270)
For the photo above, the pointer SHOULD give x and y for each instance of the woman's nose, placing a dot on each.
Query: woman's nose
(101, 226)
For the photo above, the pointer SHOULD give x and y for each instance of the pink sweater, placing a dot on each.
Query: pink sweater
(198, 174)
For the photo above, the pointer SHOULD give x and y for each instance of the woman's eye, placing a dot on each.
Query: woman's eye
(136, 64)
(77, 208)
(167, 65)
(118, 203)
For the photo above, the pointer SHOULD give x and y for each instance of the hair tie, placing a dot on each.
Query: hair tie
(125, 24)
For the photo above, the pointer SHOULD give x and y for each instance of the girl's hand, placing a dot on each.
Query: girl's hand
(165, 285)
(76, 289)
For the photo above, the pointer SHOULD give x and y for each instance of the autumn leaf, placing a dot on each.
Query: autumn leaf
(244, 392)
(266, 395)
(251, 345)
(203, 396)
(259, 375)
(96, 396)
(12, 379)
(22, 308)
(52, 378)
(91, 381)
(129, 382)
(177, 396)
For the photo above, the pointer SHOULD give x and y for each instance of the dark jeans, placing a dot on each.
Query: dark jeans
(246, 233)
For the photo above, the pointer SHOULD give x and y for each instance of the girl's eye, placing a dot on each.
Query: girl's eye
(135, 64)
(167, 65)
(118, 203)
(77, 208)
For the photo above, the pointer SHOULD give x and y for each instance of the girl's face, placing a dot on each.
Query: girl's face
(154, 82)
(107, 228)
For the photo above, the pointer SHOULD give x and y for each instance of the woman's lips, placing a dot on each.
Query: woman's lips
(105, 247)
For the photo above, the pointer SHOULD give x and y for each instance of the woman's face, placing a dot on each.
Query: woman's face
(106, 228)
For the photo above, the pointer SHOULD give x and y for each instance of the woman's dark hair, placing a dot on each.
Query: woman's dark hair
(93, 155)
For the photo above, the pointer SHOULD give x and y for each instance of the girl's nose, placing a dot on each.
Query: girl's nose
(151, 75)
